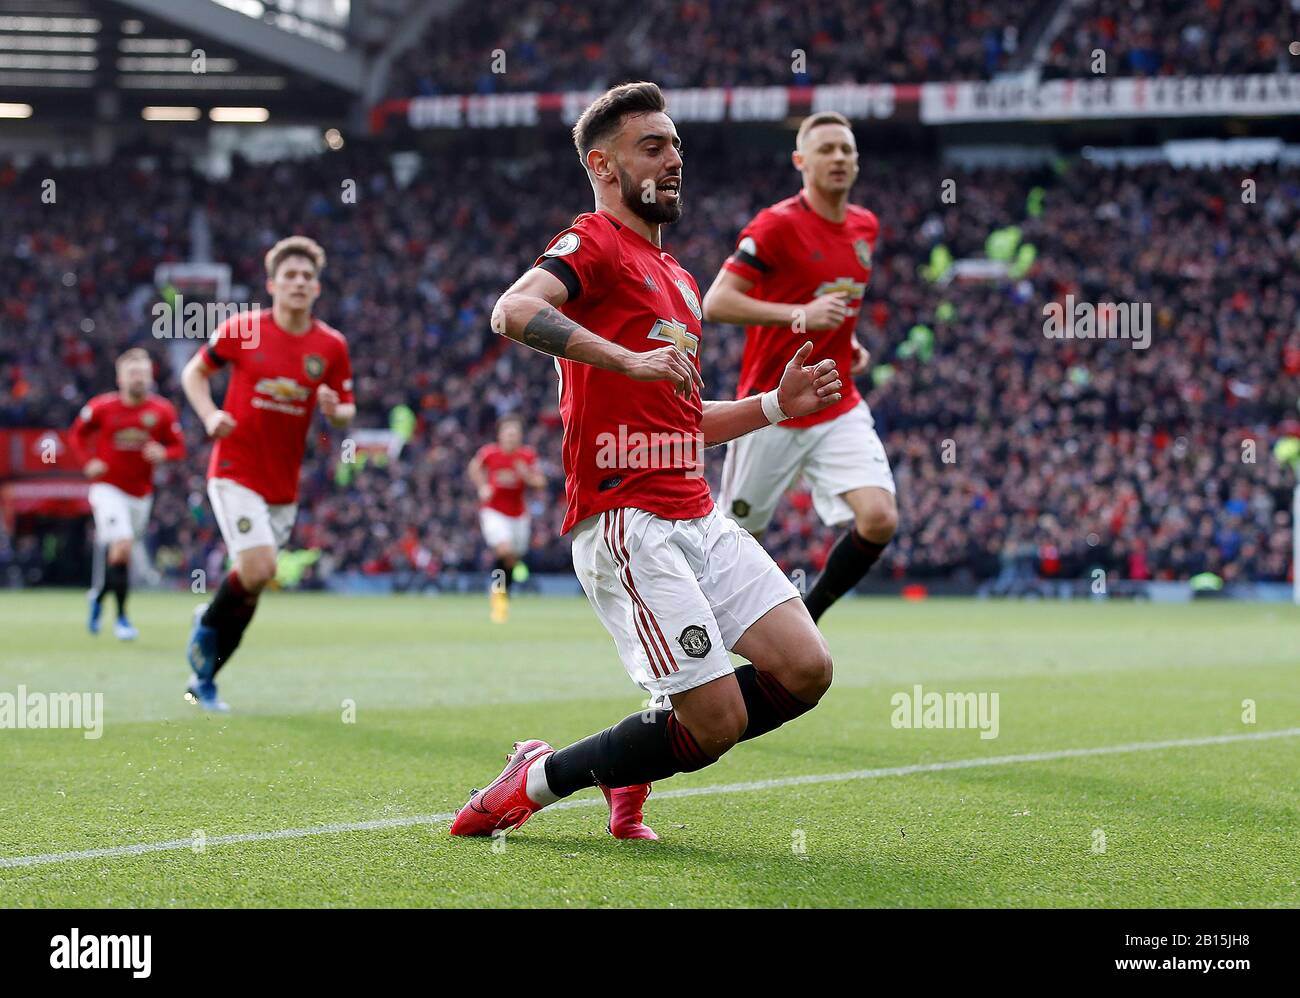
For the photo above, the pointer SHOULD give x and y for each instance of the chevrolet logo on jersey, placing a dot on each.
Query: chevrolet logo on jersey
(676, 333)
(282, 389)
(846, 286)
(130, 438)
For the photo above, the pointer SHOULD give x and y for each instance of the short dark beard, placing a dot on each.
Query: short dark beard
(652, 211)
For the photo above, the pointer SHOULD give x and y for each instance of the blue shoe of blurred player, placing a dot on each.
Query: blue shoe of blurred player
(123, 631)
(92, 622)
(202, 652)
(204, 694)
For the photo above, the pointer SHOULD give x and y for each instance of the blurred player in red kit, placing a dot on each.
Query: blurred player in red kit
(119, 438)
(283, 363)
(800, 271)
(501, 472)
(676, 584)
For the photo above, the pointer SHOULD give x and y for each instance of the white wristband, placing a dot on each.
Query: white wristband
(772, 408)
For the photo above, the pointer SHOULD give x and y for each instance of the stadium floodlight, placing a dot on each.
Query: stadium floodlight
(171, 114)
(243, 115)
(155, 45)
(15, 110)
(47, 43)
(80, 25)
(172, 64)
(80, 63)
(196, 81)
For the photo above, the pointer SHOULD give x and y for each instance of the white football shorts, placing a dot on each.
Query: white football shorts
(501, 529)
(119, 516)
(675, 594)
(246, 520)
(834, 457)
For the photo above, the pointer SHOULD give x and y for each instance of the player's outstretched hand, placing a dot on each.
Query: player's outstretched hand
(219, 424)
(95, 467)
(805, 390)
(329, 401)
(665, 364)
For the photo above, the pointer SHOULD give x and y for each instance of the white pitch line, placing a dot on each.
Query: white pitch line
(176, 845)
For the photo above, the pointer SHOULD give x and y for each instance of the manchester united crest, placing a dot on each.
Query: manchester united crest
(692, 302)
(148, 419)
(863, 249)
(314, 365)
(695, 641)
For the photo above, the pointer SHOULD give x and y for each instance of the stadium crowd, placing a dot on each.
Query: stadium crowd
(1017, 456)
(1175, 37)
(504, 47)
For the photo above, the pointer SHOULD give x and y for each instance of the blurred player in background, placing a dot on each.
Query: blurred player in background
(800, 270)
(675, 583)
(119, 438)
(501, 472)
(282, 364)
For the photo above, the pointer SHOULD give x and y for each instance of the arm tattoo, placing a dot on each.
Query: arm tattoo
(549, 332)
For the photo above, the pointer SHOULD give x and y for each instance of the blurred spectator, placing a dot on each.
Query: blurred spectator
(1175, 38)
(541, 45)
(1066, 455)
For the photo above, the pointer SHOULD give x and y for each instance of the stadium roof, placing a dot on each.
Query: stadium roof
(104, 59)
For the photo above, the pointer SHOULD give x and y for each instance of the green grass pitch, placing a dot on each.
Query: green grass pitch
(440, 693)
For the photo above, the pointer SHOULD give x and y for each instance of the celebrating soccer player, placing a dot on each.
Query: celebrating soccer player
(282, 366)
(799, 271)
(675, 583)
(501, 472)
(119, 438)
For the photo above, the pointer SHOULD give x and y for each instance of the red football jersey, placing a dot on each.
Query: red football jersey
(502, 470)
(115, 432)
(627, 443)
(272, 394)
(792, 254)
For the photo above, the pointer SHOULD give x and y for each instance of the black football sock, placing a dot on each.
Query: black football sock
(228, 614)
(642, 748)
(768, 703)
(116, 581)
(106, 583)
(850, 559)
